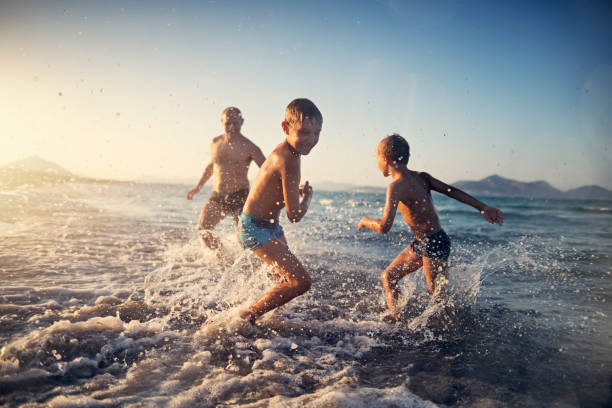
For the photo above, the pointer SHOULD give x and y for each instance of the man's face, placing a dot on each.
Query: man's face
(304, 135)
(232, 122)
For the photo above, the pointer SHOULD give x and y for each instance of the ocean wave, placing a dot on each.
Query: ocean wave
(592, 209)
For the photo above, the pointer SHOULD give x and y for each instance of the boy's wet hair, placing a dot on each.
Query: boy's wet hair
(300, 109)
(232, 110)
(396, 148)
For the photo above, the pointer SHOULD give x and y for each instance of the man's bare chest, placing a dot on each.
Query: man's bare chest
(230, 154)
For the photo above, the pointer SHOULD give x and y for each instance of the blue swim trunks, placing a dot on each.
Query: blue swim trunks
(255, 231)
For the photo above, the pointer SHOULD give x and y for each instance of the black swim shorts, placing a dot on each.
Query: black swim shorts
(232, 202)
(436, 246)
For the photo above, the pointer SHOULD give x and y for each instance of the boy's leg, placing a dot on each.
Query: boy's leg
(296, 279)
(435, 269)
(406, 262)
(210, 216)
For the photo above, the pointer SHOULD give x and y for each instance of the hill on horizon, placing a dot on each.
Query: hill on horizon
(35, 170)
(497, 186)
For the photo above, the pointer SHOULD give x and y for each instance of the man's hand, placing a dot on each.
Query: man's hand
(493, 215)
(192, 192)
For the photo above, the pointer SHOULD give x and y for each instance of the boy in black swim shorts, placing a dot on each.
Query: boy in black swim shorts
(410, 192)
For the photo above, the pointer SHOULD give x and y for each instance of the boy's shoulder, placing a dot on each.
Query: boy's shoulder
(406, 185)
(281, 156)
(283, 152)
(418, 176)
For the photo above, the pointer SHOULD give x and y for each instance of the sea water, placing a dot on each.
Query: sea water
(109, 298)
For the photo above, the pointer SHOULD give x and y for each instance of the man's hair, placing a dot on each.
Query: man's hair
(232, 110)
(300, 109)
(396, 148)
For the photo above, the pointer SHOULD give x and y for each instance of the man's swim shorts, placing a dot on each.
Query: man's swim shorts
(232, 202)
(255, 231)
(436, 246)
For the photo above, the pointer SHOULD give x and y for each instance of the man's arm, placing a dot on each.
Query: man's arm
(205, 176)
(491, 214)
(256, 155)
(384, 224)
(290, 174)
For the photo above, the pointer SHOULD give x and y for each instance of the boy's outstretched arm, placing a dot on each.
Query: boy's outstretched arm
(296, 209)
(205, 176)
(384, 224)
(491, 214)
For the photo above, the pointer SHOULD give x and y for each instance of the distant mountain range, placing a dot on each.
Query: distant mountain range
(35, 170)
(496, 186)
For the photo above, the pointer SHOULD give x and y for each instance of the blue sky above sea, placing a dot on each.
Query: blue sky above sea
(125, 89)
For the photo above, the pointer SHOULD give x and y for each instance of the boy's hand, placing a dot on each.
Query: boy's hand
(305, 190)
(361, 224)
(493, 215)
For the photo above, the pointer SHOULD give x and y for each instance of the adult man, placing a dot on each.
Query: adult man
(231, 155)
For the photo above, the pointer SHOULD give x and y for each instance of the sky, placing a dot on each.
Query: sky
(135, 89)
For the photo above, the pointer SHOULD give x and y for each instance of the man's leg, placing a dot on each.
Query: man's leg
(406, 262)
(210, 216)
(295, 279)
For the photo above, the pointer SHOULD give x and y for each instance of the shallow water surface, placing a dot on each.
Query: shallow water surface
(108, 298)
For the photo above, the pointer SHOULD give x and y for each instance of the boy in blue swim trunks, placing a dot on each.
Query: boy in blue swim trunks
(410, 192)
(277, 185)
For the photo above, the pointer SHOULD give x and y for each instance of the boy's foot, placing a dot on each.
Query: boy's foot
(229, 325)
(248, 314)
(241, 326)
(390, 318)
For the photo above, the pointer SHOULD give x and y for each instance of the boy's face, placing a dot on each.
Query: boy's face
(232, 122)
(303, 135)
(382, 163)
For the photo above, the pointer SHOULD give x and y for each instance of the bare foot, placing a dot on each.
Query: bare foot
(248, 314)
(390, 318)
